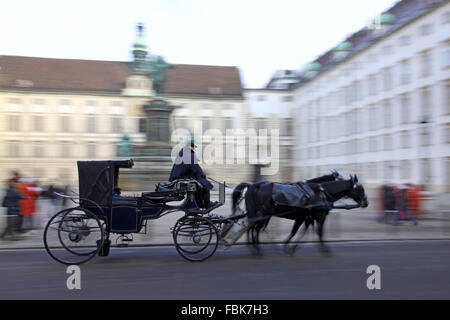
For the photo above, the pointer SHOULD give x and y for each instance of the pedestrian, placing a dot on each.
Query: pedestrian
(11, 202)
(414, 200)
(389, 204)
(30, 193)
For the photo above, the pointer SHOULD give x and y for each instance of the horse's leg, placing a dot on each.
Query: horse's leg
(288, 249)
(253, 240)
(320, 218)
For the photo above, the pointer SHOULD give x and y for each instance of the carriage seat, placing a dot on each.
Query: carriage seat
(162, 196)
(119, 201)
(181, 185)
(171, 191)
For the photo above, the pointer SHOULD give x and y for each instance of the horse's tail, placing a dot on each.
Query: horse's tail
(237, 194)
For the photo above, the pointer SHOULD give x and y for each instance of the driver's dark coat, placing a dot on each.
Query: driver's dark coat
(186, 167)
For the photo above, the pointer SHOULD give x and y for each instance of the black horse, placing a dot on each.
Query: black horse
(260, 206)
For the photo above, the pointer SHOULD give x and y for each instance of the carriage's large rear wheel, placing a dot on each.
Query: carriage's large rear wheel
(73, 236)
(196, 238)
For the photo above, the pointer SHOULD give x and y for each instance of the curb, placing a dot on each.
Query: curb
(150, 245)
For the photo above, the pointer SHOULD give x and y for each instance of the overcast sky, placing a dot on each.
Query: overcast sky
(259, 37)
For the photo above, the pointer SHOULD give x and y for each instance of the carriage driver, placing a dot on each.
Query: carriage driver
(186, 167)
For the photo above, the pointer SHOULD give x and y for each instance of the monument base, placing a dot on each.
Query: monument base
(147, 171)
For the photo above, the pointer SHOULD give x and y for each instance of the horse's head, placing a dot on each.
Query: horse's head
(357, 192)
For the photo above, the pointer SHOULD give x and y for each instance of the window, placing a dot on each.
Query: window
(446, 134)
(39, 101)
(371, 58)
(91, 103)
(425, 64)
(65, 124)
(405, 169)
(38, 172)
(229, 124)
(404, 40)
(405, 116)
(65, 150)
(372, 85)
(446, 56)
(372, 144)
(405, 72)
(387, 114)
(387, 50)
(116, 125)
(446, 17)
(372, 169)
(91, 124)
(207, 124)
(14, 101)
(372, 118)
(425, 136)
(142, 125)
(287, 99)
(181, 123)
(14, 149)
(379, 116)
(405, 140)
(65, 102)
(13, 123)
(446, 99)
(388, 170)
(425, 30)
(38, 150)
(260, 123)
(212, 90)
(91, 151)
(116, 103)
(260, 98)
(425, 173)
(387, 142)
(387, 79)
(38, 123)
(425, 105)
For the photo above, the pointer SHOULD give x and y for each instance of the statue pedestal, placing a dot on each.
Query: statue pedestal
(152, 159)
(147, 171)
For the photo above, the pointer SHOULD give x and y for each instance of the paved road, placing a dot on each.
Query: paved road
(409, 270)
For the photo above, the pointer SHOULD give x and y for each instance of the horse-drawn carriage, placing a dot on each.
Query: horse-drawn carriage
(75, 235)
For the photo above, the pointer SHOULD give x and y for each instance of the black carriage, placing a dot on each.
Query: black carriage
(75, 235)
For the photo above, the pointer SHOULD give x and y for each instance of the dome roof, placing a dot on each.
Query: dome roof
(313, 66)
(385, 18)
(139, 44)
(343, 46)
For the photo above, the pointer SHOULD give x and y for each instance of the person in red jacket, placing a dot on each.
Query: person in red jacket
(30, 192)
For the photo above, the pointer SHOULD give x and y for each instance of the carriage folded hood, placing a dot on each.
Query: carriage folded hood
(97, 179)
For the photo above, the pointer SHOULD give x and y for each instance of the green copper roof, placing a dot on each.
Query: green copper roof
(343, 46)
(314, 66)
(384, 18)
(139, 43)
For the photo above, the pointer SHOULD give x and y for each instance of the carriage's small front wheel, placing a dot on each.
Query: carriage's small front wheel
(73, 236)
(196, 238)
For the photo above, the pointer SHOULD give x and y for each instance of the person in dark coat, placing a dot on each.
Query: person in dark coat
(11, 201)
(186, 167)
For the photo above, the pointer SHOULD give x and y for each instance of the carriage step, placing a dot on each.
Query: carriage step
(122, 245)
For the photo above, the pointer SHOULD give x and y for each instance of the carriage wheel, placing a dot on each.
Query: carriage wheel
(196, 238)
(73, 236)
